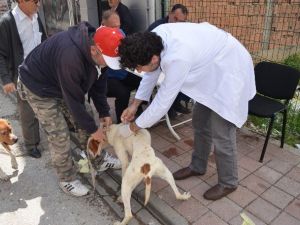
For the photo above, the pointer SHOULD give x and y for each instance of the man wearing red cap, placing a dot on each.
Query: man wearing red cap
(56, 76)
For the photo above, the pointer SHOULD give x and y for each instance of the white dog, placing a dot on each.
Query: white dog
(7, 138)
(143, 165)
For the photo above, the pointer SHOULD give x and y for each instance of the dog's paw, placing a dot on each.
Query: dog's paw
(14, 165)
(117, 223)
(184, 196)
(4, 177)
(119, 199)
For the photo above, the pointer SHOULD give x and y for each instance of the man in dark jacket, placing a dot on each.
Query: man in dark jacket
(21, 30)
(59, 73)
(125, 16)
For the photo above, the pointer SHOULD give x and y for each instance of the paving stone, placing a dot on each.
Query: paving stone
(268, 174)
(255, 155)
(184, 159)
(185, 144)
(294, 174)
(189, 183)
(198, 191)
(288, 185)
(210, 219)
(160, 143)
(280, 165)
(242, 196)
(294, 208)
(172, 151)
(277, 197)
(167, 195)
(213, 180)
(285, 219)
(210, 171)
(238, 219)
(255, 184)
(249, 164)
(263, 210)
(284, 154)
(242, 173)
(158, 184)
(172, 166)
(191, 209)
(225, 209)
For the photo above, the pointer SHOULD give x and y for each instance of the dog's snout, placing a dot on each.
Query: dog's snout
(15, 139)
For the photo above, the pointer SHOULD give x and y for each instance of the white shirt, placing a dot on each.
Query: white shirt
(205, 63)
(28, 30)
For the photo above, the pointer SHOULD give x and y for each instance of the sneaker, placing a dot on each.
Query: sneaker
(75, 188)
(110, 161)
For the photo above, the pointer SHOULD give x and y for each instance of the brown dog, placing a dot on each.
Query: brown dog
(7, 138)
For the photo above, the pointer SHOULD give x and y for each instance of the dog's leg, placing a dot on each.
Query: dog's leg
(122, 155)
(129, 182)
(163, 172)
(3, 176)
(13, 160)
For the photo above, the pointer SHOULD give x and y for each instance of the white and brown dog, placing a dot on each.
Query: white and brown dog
(143, 165)
(7, 138)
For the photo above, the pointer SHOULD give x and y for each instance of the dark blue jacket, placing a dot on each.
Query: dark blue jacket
(157, 23)
(62, 67)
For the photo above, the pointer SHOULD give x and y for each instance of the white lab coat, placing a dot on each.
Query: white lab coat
(205, 63)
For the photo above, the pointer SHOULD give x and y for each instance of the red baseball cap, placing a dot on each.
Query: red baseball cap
(108, 40)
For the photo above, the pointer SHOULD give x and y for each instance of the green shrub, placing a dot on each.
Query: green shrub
(293, 61)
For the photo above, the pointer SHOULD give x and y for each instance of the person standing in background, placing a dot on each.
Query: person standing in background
(21, 31)
(125, 15)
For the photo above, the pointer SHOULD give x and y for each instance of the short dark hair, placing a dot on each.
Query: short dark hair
(139, 48)
(180, 6)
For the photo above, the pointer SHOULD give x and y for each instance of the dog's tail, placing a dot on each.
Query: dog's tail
(147, 189)
(145, 170)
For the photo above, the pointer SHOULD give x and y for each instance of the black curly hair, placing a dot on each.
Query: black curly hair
(139, 48)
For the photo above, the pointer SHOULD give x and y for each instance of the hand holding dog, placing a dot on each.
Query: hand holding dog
(9, 88)
(99, 135)
(129, 114)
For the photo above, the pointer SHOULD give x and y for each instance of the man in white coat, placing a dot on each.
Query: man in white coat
(210, 66)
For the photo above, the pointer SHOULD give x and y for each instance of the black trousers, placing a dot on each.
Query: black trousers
(120, 89)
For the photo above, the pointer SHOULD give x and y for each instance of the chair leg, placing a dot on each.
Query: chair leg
(283, 128)
(267, 139)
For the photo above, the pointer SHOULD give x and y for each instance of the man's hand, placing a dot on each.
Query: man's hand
(99, 135)
(106, 122)
(9, 88)
(129, 114)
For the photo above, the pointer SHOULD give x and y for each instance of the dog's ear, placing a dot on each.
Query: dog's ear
(94, 148)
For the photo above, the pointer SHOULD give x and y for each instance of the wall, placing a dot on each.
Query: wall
(268, 28)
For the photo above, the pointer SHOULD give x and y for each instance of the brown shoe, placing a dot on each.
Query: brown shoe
(217, 192)
(185, 173)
